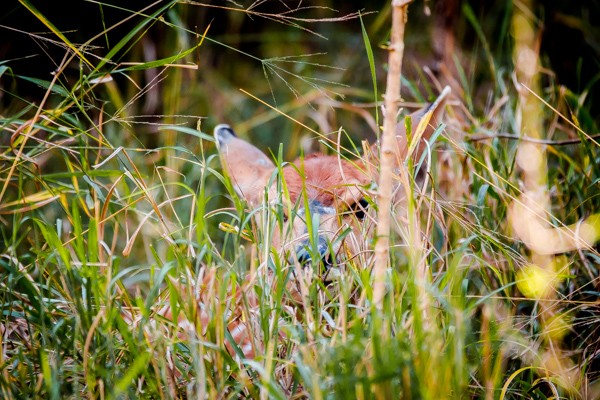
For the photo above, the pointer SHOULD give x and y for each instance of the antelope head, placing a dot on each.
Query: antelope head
(326, 204)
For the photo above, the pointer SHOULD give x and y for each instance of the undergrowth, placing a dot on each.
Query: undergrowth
(113, 205)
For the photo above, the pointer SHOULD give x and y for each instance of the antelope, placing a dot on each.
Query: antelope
(325, 194)
(325, 190)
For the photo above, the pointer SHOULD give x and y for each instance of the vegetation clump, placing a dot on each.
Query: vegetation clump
(127, 259)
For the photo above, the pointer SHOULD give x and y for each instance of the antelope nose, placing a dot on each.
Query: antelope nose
(304, 252)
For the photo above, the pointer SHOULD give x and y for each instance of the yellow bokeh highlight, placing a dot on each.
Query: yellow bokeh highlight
(536, 282)
(557, 327)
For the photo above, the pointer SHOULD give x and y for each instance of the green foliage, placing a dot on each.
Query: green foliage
(113, 206)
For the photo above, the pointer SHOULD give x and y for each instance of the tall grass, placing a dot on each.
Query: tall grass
(113, 206)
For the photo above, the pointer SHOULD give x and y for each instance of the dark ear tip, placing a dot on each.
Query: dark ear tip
(223, 133)
(445, 92)
(441, 99)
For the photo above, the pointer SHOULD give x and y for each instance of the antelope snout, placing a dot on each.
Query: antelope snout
(306, 254)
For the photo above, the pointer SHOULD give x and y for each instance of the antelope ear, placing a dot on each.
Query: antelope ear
(423, 123)
(248, 168)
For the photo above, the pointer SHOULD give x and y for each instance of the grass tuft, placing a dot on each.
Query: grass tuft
(127, 260)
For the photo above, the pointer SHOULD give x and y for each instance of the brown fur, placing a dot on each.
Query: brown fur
(327, 179)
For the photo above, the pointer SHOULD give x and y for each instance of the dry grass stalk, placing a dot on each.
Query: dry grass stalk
(389, 150)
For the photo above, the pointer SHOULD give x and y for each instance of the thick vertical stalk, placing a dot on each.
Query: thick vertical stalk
(531, 211)
(389, 148)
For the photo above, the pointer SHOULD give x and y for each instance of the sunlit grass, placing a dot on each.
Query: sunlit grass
(110, 215)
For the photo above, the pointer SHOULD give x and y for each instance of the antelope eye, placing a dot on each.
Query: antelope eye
(360, 208)
(284, 216)
(281, 213)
